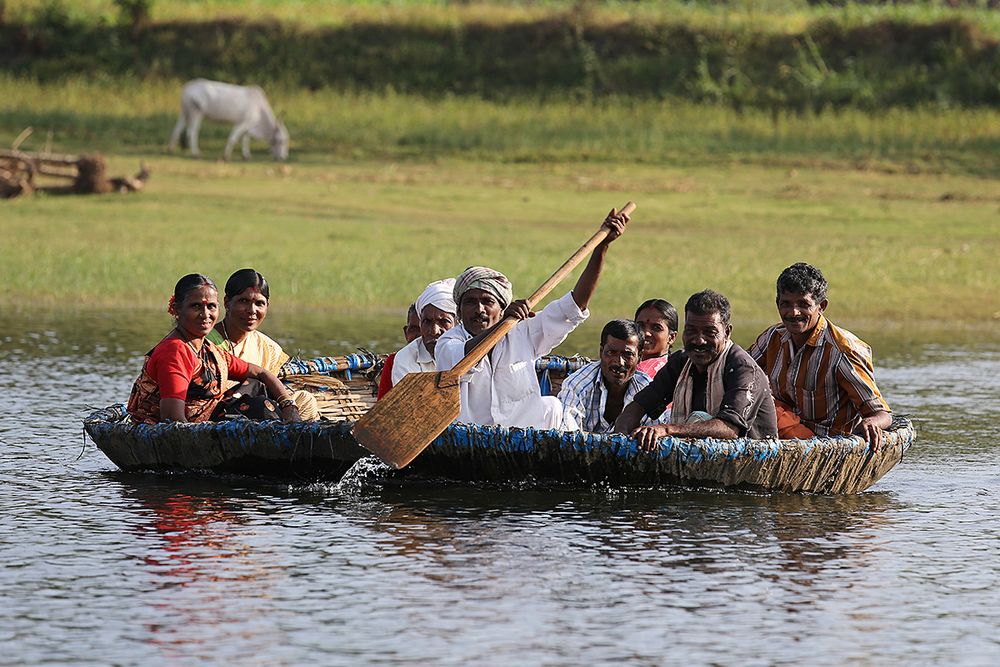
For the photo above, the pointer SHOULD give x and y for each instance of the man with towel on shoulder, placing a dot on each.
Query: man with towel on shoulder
(503, 387)
(717, 389)
(436, 311)
(822, 376)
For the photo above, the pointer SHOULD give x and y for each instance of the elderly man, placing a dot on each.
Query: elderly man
(821, 376)
(436, 308)
(594, 396)
(411, 331)
(717, 389)
(503, 387)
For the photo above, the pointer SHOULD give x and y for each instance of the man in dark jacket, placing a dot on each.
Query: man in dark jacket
(717, 389)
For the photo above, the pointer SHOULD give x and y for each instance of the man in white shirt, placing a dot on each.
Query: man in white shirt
(503, 387)
(436, 310)
(595, 395)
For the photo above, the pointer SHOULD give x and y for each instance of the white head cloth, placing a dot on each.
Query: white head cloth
(439, 295)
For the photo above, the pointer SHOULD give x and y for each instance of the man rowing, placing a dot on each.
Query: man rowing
(595, 395)
(821, 376)
(717, 389)
(503, 387)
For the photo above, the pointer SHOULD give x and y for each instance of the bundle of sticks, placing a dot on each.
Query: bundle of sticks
(20, 172)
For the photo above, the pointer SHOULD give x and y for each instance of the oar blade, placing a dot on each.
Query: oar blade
(409, 417)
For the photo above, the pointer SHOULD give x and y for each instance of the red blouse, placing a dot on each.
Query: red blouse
(385, 380)
(173, 364)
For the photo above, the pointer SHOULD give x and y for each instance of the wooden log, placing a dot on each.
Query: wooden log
(57, 173)
(41, 158)
(87, 173)
(14, 184)
(14, 163)
(135, 183)
(91, 178)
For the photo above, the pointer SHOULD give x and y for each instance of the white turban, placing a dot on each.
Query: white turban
(439, 295)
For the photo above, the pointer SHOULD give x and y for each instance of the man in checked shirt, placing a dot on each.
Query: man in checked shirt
(821, 376)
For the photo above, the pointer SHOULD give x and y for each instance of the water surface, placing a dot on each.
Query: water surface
(101, 567)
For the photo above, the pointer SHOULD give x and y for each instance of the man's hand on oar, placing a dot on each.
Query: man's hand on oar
(615, 224)
(519, 309)
(422, 405)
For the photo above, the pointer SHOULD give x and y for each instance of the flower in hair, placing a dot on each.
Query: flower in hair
(171, 305)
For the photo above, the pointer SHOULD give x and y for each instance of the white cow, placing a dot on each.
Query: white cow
(246, 106)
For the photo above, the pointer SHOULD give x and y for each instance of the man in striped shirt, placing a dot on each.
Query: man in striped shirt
(595, 395)
(821, 376)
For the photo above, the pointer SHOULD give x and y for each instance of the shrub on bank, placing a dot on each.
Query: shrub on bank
(829, 64)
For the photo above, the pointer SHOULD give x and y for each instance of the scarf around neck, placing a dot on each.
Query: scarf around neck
(714, 390)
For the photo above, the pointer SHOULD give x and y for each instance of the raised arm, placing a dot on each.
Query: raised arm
(587, 283)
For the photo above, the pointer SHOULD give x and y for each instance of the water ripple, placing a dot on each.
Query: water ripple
(102, 567)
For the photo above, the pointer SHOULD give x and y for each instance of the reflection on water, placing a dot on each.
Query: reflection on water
(207, 580)
(100, 567)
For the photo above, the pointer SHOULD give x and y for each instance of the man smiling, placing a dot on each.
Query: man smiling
(822, 376)
(595, 395)
(503, 387)
(716, 388)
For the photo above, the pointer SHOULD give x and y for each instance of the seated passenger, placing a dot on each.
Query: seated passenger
(503, 387)
(436, 309)
(595, 395)
(185, 375)
(411, 331)
(821, 376)
(658, 320)
(713, 380)
(246, 301)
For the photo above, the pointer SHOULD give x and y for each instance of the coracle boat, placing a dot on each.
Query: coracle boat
(325, 450)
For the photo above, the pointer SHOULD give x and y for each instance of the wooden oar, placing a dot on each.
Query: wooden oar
(422, 405)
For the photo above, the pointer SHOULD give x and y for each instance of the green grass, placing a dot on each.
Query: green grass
(387, 192)
(133, 116)
(342, 235)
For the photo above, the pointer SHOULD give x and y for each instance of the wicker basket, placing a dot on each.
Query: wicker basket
(345, 387)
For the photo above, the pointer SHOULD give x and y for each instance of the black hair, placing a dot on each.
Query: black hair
(188, 283)
(802, 278)
(707, 302)
(412, 310)
(244, 279)
(621, 329)
(665, 308)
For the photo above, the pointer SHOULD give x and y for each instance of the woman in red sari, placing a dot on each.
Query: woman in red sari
(184, 376)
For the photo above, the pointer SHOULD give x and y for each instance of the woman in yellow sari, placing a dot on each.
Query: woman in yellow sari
(246, 300)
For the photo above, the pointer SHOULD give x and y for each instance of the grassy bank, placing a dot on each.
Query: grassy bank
(739, 56)
(337, 235)
(132, 116)
(388, 190)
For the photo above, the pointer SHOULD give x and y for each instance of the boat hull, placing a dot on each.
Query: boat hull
(472, 453)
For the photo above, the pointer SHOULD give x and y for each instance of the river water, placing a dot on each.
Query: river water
(101, 567)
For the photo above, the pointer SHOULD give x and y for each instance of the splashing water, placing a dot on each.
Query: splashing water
(364, 470)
